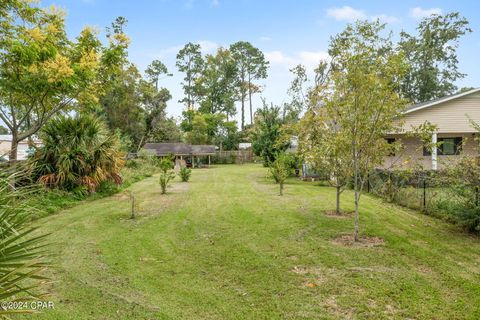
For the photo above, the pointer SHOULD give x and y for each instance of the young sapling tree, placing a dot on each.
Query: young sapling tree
(281, 169)
(166, 173)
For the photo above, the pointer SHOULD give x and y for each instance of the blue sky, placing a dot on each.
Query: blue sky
(288, 32)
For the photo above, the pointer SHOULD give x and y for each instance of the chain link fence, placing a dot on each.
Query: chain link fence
(429, 191)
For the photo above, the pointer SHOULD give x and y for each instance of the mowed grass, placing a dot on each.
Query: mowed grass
(226, 246)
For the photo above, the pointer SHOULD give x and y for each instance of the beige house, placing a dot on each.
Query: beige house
(22, 150)
(452, 116)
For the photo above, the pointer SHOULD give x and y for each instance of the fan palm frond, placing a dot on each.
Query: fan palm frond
(23, 254)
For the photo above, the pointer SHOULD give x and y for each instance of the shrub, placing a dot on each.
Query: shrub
(452, 193)
(77, 151)
(464, 181)
(185, 174)
(293, 161)
(132, 164)
(167, 174)
(148, 157)
(280, 170)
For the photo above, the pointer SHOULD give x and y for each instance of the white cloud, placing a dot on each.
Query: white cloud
(215, 3)
(278, 57)
(419, 13)
(309, 59)
(264, 38)
(346, 13)
(350, 14)
(385, 18)
(208, 47)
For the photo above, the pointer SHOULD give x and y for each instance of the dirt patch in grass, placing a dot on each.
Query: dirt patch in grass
(333, 214)
(334, 308)
(307, 270)
(347, 240)
(312, 277)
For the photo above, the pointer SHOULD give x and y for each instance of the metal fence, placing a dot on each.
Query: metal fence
(429, 191)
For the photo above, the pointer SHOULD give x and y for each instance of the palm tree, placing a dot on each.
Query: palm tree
(77, 151)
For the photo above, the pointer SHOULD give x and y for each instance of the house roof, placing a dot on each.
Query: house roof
(183, 149)
(203, 149)
(169, 148)
(431, 103)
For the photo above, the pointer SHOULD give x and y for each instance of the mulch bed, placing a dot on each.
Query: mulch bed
(333, 213)
(364, 241)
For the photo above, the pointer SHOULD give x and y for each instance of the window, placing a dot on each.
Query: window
(391, 141)
(448, 146)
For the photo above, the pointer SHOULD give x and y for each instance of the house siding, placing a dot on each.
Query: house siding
(450, 116)
(411, 154)
(22, 149)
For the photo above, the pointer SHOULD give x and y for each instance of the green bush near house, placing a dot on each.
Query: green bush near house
(185, 174)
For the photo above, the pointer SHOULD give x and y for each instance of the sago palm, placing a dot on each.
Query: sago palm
(77, 151)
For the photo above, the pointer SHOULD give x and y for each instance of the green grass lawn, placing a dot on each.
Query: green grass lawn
(226, 246)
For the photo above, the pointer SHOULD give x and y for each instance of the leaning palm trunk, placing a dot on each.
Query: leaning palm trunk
(22, 252)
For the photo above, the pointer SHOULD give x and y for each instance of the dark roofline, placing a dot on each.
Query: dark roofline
(180, 149)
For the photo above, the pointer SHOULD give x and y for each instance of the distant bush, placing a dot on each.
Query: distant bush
(185, 174)
(132, 164)
(293, 161)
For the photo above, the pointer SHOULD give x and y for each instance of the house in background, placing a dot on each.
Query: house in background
(244, 146)
(191, 154)
(22, 150)
(452, 115)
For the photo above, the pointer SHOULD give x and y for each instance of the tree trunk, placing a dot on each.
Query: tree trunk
(281, 188)
(356, 216)
(355, 184)
(13, 158)
(337, 211)
(189, 96)
(13, 148)
(250, 99)
(243, 112)
(133, 205)
(140, 144)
